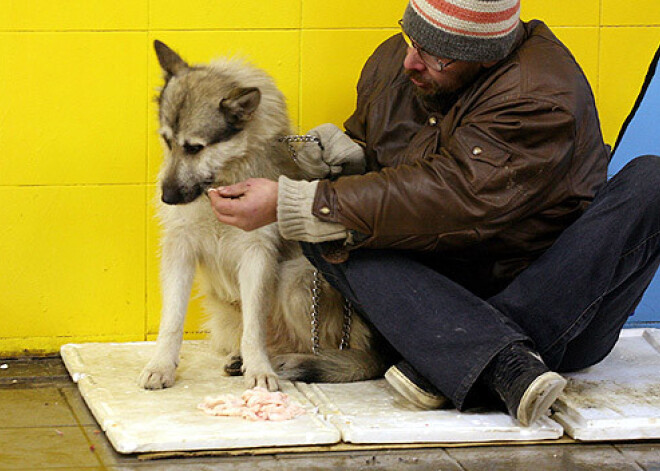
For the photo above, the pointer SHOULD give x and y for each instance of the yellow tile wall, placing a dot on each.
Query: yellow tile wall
(78, 252)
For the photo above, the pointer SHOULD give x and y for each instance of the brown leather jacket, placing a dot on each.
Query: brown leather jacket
(486, 184)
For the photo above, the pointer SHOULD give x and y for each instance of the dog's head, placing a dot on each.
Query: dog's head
(203, 112)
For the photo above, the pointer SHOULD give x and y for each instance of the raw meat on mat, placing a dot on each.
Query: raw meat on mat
(254, 404)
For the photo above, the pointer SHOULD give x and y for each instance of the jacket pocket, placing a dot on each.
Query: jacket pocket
(484, 165)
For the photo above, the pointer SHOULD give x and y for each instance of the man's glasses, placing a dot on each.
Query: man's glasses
(431, 61)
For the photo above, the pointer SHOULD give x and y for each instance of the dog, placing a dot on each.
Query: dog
(220, 124)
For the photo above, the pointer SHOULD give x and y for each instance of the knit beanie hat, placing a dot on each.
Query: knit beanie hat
(469, 30)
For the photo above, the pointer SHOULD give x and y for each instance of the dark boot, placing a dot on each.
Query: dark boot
(518, 376)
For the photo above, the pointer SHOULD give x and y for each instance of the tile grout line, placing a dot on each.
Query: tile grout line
(601, 28)
(300, 67)
(80, 427)
(214, 30)
(639, 465)
(147, 202)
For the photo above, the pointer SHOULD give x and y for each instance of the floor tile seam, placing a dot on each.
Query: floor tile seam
(31, 387)
(48, 361)
(70, 407)
(81, 427)
(34, 427)
(91, 446)
(80, 423)
(12, 380)
(55, 468)
(630, 458)
(454, 459)
(97, 449)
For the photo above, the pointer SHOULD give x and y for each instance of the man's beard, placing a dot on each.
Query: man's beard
(430, 88)
(438, 91)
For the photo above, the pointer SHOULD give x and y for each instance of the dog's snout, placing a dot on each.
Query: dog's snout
(175, 193)
(172, 195)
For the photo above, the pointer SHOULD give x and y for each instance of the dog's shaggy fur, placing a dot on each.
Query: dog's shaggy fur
(220, 124)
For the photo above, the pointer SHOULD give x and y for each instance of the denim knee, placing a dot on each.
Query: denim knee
(643, 173)
(639, 180)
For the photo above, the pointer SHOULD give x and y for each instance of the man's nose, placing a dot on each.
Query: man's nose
(412, 60)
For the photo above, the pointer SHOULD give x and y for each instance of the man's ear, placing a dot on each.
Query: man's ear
(239, 105)
(170, 61)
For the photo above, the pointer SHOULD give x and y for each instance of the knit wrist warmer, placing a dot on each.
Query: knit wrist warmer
(294, 213)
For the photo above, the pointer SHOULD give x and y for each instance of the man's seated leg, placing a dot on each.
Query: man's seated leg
(575, 299)
(446, 334)
(569, 305)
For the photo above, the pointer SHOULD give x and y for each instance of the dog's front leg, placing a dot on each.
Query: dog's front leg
(257, 278)
(177, 273)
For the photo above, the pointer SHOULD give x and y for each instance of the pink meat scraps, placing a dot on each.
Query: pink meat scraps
(254, 404)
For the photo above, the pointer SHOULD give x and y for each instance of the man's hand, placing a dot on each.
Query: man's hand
(341, 156)
(247, 205)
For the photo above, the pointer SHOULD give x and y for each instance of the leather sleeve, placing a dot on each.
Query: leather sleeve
(375, 75)
(496, 168)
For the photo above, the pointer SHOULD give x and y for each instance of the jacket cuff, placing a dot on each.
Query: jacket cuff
(294, 213)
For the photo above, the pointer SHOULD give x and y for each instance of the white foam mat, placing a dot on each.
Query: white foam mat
(372, 412)
(619, 398)
(136, 420)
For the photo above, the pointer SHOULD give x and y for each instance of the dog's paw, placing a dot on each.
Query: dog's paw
(263, 379)
(157, 375)
(234, 365)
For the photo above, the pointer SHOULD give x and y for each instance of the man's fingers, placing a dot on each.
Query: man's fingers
(227, 216)
(225, 219)
(221, 205)
(232, 191)
(247, 205)
(224, 215)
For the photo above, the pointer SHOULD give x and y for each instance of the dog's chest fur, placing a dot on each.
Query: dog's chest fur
(217, 248)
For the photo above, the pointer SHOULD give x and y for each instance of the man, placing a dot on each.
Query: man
(467, 244)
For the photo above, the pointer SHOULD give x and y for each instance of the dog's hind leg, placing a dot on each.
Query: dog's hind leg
(177, 273)
(257, 274)
(366, 359)
(225, 326)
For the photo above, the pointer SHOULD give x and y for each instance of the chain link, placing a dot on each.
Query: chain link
(316, 294)
(289, 140)
(346, 327)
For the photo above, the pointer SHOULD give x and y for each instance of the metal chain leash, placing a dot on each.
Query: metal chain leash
(289, 140)
(314, 314)
(344, 344)
(316, 282)
(346, 327)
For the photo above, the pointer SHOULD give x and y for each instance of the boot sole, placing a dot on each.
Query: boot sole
(539, 397)
(412, 392)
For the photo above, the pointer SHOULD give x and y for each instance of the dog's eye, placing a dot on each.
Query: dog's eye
(192, 149)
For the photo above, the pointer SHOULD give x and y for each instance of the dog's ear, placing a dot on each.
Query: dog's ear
(239, 105)
(169, 60)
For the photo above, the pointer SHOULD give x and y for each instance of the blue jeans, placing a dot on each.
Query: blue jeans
(570, 304)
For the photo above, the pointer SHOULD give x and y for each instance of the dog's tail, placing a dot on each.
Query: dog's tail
(331, 366)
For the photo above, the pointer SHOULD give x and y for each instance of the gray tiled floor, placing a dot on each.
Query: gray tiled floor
(44, 424)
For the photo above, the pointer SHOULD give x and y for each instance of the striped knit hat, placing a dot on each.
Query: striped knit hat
(469, 30)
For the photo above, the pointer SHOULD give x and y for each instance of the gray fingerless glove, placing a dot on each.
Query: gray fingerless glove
(340, 155)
